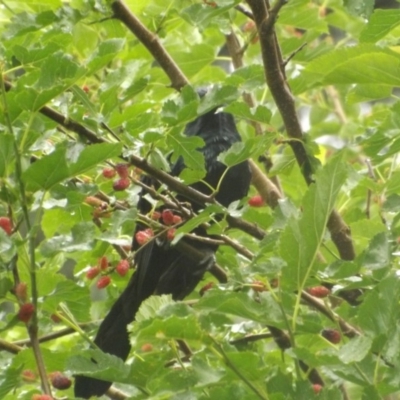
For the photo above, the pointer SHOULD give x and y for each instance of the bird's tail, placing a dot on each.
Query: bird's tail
(113, 338)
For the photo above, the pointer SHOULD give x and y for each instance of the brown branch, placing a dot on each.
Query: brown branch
(153, 45)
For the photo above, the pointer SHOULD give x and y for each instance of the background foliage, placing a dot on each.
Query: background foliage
(72, 57)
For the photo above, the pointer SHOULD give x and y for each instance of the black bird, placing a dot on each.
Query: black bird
(163, 269)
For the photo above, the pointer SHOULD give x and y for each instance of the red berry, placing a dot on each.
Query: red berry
(171, 234)
(317, 388)
(103, 263)
(21, 290)
(6, 225)
(28, 375)
(41, 397)
(60, 381)
(258, 286)
(176, 219)
(143, 237)
(109, 173)
(168, 217)
(85, 88)
(332, 335)
(147, 347)
(122, 170)
(25, 312)
(92, 272)
(121, 184)
(156, 215)
(256, 201)
(122, 267)
(319, 291)
(206, 287)
(103, 282)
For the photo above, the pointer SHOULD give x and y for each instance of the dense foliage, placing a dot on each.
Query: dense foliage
(306, 311)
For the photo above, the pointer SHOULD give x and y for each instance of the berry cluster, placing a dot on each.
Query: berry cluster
(103, 267)
(122, 170)
(168, 218)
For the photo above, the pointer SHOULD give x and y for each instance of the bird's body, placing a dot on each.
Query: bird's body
(163, 269)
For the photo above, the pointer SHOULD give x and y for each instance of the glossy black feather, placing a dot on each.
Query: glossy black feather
(162, 269)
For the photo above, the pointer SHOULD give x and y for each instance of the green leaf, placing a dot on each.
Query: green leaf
(149, 308)
(301, 240)
(378, 254)
(364, 64)
(242, 151)
(9, 379)
(53, 169)
(379, 312)
(187, 147)
(380, 24)
(355, 350)
(259, 114)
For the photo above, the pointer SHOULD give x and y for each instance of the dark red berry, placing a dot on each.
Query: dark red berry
(25, 312)
(121, 184)
(319, 291)
(6, 225)
(60, 381)
(168, 217)
(122, 170)
(92, 272)
(103, 282)
(256, 201)
(206, 287)
(143, 237)
(109, 173)
(332, 335)
(122, 267)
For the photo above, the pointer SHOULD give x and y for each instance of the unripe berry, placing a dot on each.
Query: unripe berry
(256, 201)
(103, 282)
(143, 237)
(92, 272)
(122, 267)
(319, 291)
(206, 287)
(109, 173)
(171, 234)
(103, 263)
(21, 290)
(168, 217)
(6, 225)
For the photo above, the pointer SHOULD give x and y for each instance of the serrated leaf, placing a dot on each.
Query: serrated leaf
(302, 238)
(378, 254)
(364, 64)
(379, 312)
(186, 328)
(149, 308)
(355, 350)
(380, 24)
(259, 114)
